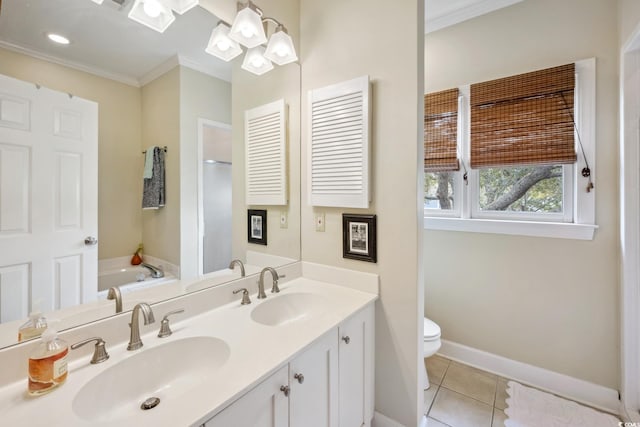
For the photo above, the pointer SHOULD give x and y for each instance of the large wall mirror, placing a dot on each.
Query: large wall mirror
(151, 89)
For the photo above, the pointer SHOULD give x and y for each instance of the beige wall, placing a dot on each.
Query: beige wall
(201, 97)
(251, 91)
(161, 126)
(629, 18)
(340, 41)
(560, 314)
(119, 158)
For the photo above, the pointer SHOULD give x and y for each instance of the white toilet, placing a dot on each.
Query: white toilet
(431, 344)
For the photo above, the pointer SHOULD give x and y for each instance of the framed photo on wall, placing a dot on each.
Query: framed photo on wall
(359, 237)
(257, 226)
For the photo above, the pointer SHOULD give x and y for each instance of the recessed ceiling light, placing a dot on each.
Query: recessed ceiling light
(57, 38)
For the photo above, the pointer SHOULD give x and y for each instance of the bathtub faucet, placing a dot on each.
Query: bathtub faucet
(156, 272)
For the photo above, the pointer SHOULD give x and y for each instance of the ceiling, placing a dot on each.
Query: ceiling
(105, 42)
(443, 13)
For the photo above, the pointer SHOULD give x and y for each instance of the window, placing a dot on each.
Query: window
(515, 168)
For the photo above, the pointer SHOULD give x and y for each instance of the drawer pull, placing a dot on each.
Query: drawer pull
(285, 389)
(299, 377)
(346, 339)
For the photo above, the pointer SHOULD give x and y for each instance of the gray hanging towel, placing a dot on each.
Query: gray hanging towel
(153, 193)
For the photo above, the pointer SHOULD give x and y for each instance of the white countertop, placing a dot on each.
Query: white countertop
(256, 351)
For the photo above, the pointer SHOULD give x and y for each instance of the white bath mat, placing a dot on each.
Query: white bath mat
(528, 407)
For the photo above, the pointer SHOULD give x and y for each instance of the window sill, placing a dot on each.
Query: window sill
(557, 230)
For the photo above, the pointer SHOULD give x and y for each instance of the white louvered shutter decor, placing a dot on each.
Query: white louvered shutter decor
(266, 154)
(338, 158)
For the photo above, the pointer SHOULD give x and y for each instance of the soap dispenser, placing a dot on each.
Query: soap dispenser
(48, 363)
(33, 328)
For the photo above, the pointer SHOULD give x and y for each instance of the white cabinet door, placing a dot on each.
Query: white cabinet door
(48, 199)
(264, 406)
(313, 377)
(356, 369)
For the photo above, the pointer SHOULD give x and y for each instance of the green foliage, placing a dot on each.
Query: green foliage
(544, 196)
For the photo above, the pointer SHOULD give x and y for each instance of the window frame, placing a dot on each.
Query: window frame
(578, 218)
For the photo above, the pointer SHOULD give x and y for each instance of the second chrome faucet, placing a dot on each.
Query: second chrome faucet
(134, 341)
(274, 276)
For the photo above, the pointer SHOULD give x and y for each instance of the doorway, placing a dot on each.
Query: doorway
(214, 201)
(629, 224)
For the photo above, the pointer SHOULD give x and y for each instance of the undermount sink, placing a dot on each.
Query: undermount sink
(287, 308)
(165, 372)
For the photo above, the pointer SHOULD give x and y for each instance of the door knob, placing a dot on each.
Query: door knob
(90, 241)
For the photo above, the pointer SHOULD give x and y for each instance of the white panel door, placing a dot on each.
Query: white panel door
(314, 385)
(264, 406)
(48, 198)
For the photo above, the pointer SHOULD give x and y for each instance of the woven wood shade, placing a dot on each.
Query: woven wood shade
(524, 120)
(441, 131)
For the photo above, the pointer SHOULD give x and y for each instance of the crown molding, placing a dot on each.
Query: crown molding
(194, 65)
(464, 13)
(160, 70)
(121, 78)
(176, 60)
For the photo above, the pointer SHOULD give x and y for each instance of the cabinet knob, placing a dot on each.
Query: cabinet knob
(346, 339)
(299, 377)
(285, 389)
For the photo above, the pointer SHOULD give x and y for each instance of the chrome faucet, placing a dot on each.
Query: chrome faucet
(237, 261)
(114, 293)
(134, 341)
(156, 272)
(274, 275)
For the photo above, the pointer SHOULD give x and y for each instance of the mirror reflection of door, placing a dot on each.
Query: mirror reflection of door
(48, 203)
(215, 195)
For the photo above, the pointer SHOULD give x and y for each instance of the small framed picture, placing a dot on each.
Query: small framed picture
(359, 237)
(257, 226)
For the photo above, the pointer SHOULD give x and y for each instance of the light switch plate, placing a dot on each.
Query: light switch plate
(284, 220)
(320, 222)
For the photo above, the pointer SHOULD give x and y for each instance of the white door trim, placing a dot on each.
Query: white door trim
(629, 224)
(201, 124)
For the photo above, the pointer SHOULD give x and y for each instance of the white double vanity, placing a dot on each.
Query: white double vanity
(300, 357)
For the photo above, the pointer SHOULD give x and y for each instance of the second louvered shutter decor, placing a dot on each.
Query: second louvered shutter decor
(338, 158)
(266, 154)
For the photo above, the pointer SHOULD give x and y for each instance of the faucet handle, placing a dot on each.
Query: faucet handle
(165, 330)
(99, 352)
(275, 288)
(245, 296)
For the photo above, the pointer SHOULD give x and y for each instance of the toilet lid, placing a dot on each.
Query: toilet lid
(431, 329)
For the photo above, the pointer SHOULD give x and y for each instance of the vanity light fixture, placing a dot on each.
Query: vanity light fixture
(247, 26)
(255, 61)
(280, 48)
(57, 38)
(221, 45)
(154, 14)
(182, 6)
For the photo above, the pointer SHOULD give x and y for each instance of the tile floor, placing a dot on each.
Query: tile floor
(462, 396)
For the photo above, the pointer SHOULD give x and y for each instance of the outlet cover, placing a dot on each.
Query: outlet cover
(284, 220)
(320, 222)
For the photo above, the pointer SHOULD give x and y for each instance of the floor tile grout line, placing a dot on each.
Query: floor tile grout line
(433, 400)
(464, 395)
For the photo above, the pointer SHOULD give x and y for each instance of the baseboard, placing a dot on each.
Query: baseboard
(629, 415)
(380, 420)
(572, 388)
